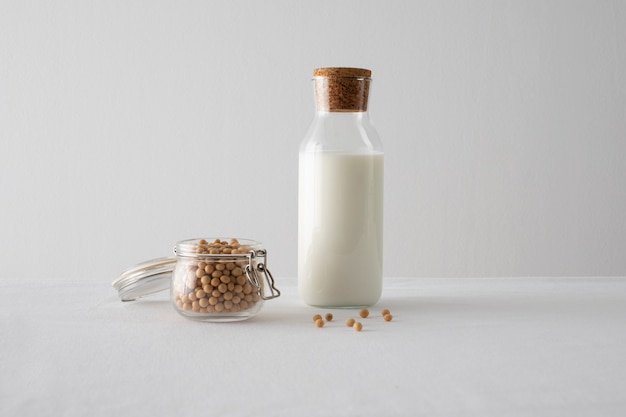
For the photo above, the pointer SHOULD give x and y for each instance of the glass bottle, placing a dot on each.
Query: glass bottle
(340, 198)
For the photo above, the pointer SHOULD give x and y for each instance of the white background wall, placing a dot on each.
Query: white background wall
(126, 126)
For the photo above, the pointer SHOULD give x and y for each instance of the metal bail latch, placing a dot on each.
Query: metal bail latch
(253, 272)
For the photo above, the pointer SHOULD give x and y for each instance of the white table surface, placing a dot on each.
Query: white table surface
(456, 347)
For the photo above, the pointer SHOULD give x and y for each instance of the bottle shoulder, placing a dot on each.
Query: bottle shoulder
(341, 131)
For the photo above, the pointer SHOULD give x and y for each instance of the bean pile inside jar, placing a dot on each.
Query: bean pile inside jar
(215, 284)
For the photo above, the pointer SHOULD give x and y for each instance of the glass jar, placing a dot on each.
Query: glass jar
(340, 207)
(216, 279)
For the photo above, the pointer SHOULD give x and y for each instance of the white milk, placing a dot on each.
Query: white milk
(340, 228)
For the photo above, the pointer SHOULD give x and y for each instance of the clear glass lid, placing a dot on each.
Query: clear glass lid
(145, 278)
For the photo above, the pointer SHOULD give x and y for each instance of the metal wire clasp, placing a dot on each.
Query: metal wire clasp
(254, 268)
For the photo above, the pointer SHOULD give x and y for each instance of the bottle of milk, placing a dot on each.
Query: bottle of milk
(340, 207)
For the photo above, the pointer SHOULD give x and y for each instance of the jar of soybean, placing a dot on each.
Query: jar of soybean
(215, 279)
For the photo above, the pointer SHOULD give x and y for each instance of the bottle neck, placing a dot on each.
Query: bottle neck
(347, 116)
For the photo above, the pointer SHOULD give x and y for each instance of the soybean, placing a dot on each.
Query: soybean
(364, 312)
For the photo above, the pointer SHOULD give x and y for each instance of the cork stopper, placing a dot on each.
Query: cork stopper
(340, 89)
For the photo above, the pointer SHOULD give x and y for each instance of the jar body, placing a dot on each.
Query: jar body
(340, 211)
(211, 281)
